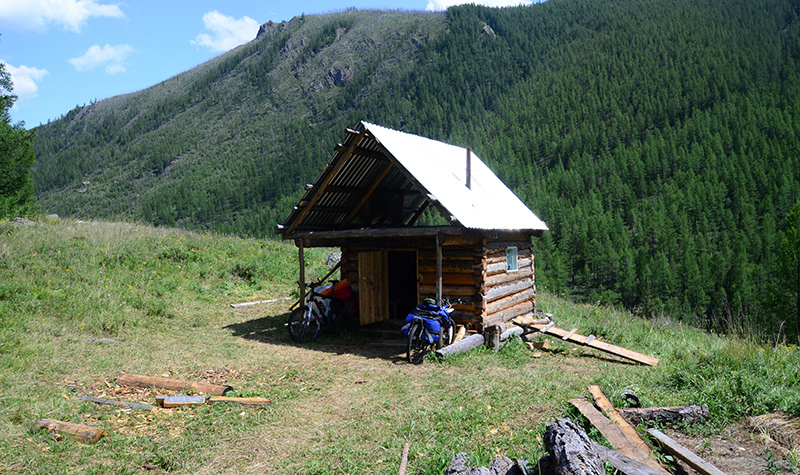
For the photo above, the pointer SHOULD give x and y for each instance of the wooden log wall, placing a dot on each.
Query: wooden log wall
(474, 272)
(507, 294)
(461, 271)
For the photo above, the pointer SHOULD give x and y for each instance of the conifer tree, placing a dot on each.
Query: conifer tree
(16, 157)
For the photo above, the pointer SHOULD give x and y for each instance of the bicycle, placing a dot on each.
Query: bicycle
(426, 326)
(325, 308)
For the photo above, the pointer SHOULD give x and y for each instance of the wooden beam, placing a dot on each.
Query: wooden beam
(676, 449)
(362, 152)
(301, 280)
(439, 242)
(330, 175)
(605, 405)
(404, 232)
(599, 345)
(418, 214)
(367, 195)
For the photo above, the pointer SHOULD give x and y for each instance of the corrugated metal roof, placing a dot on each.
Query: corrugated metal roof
(383, 178)
(442, 170)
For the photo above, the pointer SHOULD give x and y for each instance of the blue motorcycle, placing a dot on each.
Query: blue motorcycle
(426, 326)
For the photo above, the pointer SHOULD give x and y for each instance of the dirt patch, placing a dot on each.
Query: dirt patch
(736, 450)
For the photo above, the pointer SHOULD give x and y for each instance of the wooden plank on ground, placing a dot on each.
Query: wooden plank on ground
(605, 405)
(114, 402)
(178, 401)
(615, 436)
(624, 464)
(246, 401)
(597, 344)
(676, 449)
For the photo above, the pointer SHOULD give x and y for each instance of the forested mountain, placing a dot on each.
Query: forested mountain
(660, 141)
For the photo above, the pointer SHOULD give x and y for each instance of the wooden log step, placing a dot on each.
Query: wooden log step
(80, 432)
(467, 344)
(598, 345)
(140, 381)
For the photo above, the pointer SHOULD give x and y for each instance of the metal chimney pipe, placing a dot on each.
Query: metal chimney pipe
(469, 168)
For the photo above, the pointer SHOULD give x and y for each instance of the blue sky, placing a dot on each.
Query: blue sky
(63, 53)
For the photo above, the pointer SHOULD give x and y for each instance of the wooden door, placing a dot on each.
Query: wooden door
(373, 286)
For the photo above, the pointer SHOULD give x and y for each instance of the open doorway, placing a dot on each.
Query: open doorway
(402, 266)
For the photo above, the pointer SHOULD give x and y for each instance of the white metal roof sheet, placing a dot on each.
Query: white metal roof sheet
(441, 169)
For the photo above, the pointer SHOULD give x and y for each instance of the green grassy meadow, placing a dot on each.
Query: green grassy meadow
(344, 404)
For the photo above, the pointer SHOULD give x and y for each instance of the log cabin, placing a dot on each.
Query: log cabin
(368, 202)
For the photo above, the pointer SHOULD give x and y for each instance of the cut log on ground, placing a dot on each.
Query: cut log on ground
(612, 432)
(178, 401)
(666, 415)
(139, 381)
(571, 450)
(605, 405)
(530, 321)
(245, 401)
(82, 433)
(676, 449)
(113, 402)
(467, 344)
(510, 332)
(593, 342)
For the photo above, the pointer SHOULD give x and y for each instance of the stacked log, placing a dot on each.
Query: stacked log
(506, 294)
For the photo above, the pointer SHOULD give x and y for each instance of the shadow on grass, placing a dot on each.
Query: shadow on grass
(378, 340)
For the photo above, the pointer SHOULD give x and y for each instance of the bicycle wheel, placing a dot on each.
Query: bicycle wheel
(417, 346)
(303, 325)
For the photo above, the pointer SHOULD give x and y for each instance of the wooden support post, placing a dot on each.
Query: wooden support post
(439, 242)
(302, 279)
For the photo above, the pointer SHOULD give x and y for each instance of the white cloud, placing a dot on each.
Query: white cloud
(434, 5)
(225, 32)
(25, 79)
(36, 15)
(113, 57)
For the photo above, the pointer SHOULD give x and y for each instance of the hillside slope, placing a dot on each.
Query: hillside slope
(658, 141)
